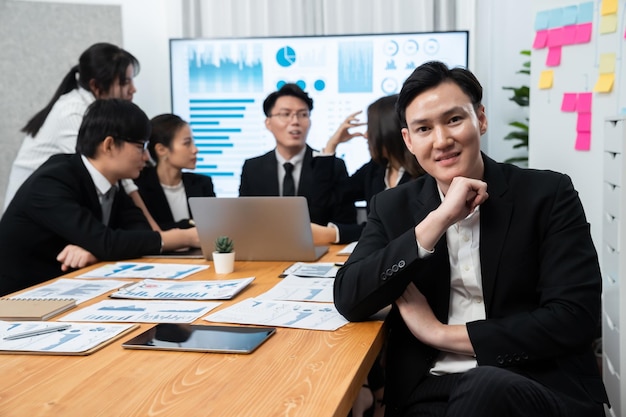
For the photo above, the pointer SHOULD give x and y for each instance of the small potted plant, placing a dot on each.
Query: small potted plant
(224, 255)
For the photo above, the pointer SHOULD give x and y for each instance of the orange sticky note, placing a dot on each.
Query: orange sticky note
(608, 7)
(545, 79)
(604, 83)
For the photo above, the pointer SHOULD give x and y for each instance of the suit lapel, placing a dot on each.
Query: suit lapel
(270, 173)
(438, 290)
(495, 217)
(306, 173)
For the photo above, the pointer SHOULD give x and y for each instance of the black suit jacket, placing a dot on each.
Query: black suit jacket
(153, 196)
(540, 275)
(58, 205)
(366, 182)
(259, 177)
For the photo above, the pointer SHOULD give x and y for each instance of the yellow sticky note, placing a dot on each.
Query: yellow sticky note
(604, 83)
(608, 7)
(607, 63)
(545, 79)
(608, 23)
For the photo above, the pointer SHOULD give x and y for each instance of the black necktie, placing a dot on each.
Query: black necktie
(107, 204)
(289, 187)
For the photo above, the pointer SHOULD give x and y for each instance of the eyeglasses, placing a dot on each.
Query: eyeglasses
(141, 145)
(286, 116)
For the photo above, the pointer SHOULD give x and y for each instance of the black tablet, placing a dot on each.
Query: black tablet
(201, 338)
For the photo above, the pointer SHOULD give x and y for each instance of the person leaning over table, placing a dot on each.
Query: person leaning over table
(165, 188)
(391, 164)
(288, 112)
(489, 268)
(103, 71)
(71, 212)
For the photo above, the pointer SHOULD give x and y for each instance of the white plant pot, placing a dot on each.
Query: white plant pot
(224, 263)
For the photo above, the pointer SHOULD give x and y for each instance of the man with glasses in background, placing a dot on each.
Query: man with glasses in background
(71, 212)
(288, 169)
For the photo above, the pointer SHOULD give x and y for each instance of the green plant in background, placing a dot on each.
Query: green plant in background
(521, 96)
(223, 244)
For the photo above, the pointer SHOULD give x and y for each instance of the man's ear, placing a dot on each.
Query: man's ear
(107, 145)
(407, 139)
(482, 120)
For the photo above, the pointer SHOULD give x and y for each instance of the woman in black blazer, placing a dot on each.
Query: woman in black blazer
(165, 188)
(391, 164)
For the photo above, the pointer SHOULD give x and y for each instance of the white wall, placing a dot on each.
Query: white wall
(553, 132)
(147, 26)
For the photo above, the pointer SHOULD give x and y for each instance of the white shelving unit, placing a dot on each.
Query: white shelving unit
(614, 264)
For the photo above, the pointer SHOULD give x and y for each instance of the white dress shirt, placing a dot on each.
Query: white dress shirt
(296, 161)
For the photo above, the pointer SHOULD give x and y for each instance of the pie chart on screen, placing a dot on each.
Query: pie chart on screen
(286, 56)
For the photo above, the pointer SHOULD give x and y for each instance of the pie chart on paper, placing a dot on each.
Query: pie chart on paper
(286, 56)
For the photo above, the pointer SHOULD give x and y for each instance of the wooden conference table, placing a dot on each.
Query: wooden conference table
(295, 373)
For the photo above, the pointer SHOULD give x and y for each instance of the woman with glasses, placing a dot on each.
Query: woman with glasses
(165, 188)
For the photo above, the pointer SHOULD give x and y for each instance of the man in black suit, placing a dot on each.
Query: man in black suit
(287, 114)
(490, 270)
(71, 212)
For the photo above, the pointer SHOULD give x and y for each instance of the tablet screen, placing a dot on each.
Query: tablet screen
(201, 338)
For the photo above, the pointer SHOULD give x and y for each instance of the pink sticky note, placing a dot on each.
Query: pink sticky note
(584, 103)
(569, 35)
(583, 33)
(584, 122)
(541, 38)
(555, 37)
(569, 102)
(554, 56)
(583, 141)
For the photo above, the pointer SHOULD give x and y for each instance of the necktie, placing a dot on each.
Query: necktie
(289, 187)
(107, 203)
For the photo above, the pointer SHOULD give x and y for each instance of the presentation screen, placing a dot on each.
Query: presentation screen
(218, 86)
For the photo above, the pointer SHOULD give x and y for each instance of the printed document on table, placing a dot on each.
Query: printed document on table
(79, 338)
(140, 311)
(144, 270)
(149, 289)
(80, 290)
(294, 288)
(316, 269)
(347, 250)
(300, 315)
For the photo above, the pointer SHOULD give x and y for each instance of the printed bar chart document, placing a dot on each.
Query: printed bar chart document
(183, 290)
(144, 270)
(141, 311)
(74, 339)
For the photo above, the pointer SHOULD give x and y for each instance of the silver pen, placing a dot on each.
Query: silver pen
(38, 332)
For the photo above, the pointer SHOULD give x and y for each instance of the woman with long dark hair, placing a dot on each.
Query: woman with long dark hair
(103, 71)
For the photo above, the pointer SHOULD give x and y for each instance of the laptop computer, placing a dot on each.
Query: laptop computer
(262, 228)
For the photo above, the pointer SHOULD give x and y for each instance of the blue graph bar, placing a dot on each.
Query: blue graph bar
(221, 100)
(355, 67)
(233, 68)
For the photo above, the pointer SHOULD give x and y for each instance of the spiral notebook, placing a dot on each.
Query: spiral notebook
(32, 308)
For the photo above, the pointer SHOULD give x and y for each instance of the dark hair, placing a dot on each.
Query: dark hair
(286, 90)
(430, 75)
(121, 119)
(102, 62)
(164, 128)
(384, 134)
